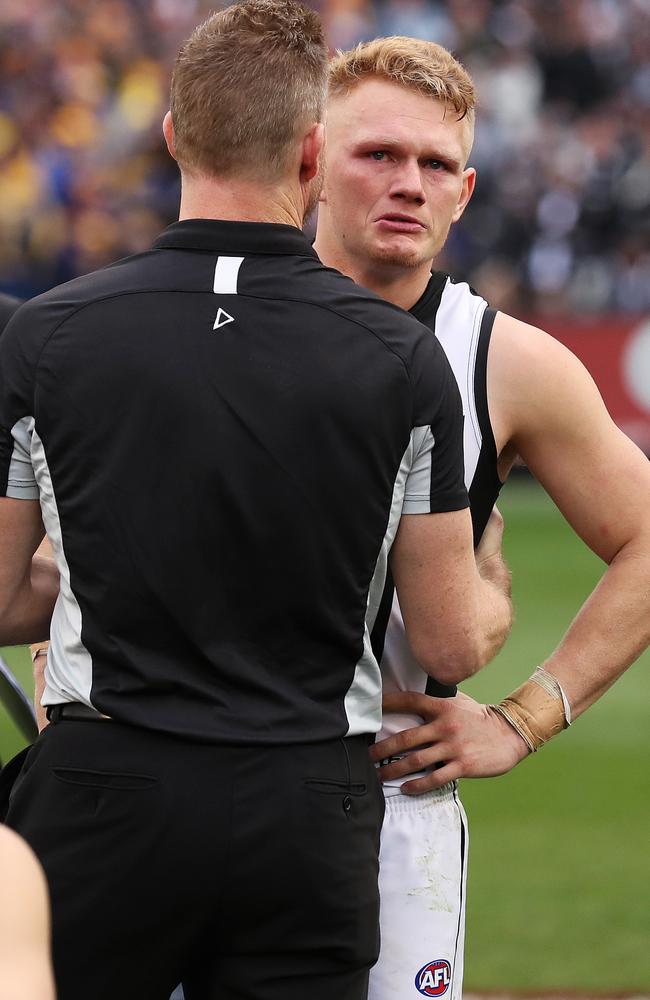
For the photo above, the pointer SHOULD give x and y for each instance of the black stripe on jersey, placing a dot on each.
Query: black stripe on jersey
(463, 840)
(429, 302)
(486, 484)
(378, 634)
(435, 689)
(6, 451)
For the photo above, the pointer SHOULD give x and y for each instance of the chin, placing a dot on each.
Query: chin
(406, 257)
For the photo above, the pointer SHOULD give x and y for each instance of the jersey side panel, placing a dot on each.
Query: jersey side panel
(462, 322)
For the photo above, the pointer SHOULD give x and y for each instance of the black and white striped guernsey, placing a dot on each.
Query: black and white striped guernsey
(222, 433)
(462, 322)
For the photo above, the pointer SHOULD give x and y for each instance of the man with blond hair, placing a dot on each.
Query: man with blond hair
(222, 438)
(399, 133)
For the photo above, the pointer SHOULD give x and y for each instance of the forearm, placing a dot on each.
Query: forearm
(26, 612)
(495, 612)
(609, 633)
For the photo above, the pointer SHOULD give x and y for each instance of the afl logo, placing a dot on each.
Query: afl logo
(434, 978)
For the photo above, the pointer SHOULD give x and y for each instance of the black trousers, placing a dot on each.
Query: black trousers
(247, 873)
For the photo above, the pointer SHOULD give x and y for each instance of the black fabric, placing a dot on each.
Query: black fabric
(436, 689)
(8, 776)
(223, 494)
(426, 307)
(73, 710)
(250, 874)
(378, 633)
(8, 306)
(461, 880)
(486, 485)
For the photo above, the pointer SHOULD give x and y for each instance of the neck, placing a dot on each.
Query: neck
(402, 286)
(236, 200)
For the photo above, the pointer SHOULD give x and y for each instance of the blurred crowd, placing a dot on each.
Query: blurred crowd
(560, 220)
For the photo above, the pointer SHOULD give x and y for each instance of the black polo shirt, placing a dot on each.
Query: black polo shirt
(222, 433)
(8, 306)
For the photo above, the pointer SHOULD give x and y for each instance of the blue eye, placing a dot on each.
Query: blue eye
(435, 164)
(378, 154)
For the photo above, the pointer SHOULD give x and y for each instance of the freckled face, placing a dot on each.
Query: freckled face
(395, 176)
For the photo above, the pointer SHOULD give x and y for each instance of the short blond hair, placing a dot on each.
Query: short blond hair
(244, 84)
(414, 63)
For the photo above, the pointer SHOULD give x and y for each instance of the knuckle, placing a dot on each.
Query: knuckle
(453, 726)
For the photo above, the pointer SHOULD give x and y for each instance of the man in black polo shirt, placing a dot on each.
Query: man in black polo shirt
(220, 436)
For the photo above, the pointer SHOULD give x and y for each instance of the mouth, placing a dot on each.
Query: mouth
(397, 222)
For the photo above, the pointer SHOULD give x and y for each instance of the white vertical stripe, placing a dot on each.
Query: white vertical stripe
(458, 325)
(68, 673)
(226, 273)
(363, 699)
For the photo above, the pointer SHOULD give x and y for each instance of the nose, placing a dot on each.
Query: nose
(407, 182)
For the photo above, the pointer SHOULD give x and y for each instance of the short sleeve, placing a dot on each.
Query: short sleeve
(436, 481)
(17, 367)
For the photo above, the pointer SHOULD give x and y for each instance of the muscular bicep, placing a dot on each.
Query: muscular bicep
(597, 477)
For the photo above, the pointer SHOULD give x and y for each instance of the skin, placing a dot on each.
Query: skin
(392, 151)
(25, 965)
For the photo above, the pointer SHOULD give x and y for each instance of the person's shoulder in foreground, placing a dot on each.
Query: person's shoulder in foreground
(25, 966)
(8, 306)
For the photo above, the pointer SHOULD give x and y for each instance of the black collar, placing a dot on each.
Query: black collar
(430, 296)
(218, 236)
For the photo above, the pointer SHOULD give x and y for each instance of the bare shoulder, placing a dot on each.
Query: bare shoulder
(545, 406)
(535, 383)
(526, 354)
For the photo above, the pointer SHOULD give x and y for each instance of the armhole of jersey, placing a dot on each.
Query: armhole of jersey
(480, 384)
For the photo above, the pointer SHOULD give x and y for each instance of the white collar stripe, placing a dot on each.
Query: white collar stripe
(226, 273)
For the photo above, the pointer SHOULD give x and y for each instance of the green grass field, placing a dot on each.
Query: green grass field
(559, 878)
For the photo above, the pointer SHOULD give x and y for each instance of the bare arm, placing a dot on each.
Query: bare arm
(456, 616)
(489, 557)
(544, 405)
(25, 965)
(554, 416)
(28, 586)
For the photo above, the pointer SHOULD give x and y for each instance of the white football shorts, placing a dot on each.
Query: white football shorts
(422, 883)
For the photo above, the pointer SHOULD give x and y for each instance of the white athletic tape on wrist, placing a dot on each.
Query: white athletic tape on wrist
(553, 686)
(537, 710)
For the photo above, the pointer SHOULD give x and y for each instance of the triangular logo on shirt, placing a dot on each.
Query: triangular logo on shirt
(222, 318)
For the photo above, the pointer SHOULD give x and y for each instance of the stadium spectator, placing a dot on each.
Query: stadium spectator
(562, 143)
